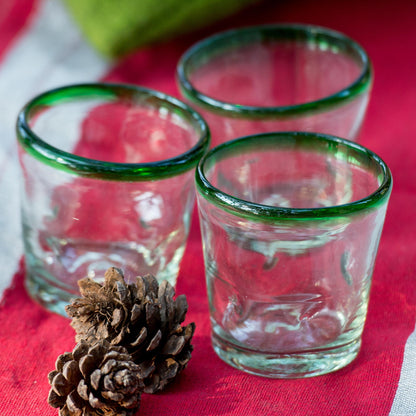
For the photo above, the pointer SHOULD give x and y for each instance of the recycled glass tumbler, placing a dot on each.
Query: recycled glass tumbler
(289, 247)
(108, 180)
(277, 78)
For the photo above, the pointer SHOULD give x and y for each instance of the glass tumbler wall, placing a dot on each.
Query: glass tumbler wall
(277, 78)
(291, 224)
(107, 181)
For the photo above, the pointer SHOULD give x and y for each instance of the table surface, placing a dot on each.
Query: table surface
(40, 48)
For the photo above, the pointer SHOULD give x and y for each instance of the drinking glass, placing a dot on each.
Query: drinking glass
(107, 180)
(291, 223)
(282, 77)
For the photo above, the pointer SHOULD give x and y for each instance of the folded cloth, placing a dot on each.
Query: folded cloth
(115, 28)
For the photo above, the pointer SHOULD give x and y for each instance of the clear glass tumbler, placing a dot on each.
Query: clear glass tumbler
(108, 180)
(291, 224)
(277, 78)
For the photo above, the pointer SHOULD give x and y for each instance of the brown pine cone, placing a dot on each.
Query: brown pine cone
(142, 317)
(98, 380)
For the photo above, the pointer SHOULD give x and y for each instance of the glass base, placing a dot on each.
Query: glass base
(52, 280)
(285, 365)
(50, 297)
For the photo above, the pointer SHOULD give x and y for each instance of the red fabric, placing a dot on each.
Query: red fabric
(31, 338)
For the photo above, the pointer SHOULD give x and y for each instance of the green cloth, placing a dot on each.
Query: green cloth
(116, 27)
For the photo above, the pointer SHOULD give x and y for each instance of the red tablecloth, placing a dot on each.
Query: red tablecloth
(37, 54)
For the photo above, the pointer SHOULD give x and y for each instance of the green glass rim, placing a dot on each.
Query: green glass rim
(99, 169)
(327, 144)
(308, 33)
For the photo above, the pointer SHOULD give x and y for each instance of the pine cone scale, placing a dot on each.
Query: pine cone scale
(94, 402)
(60, 385)
(79, 351)
(95, 379)
(54, 399)
(140, 339)
(155, 341)
(61, 360)
(89, 287)
(82, 390)
(51, 376)
(118, 317)
(71, 372)
(136, 311)
(86, 365)
(146, 369)
(123, 293)
(74, 403)
(152, 315)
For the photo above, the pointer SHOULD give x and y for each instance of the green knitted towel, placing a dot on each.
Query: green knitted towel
(116, 27)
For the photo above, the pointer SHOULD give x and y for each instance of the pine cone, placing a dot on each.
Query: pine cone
(142, 317)
(95, 381)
